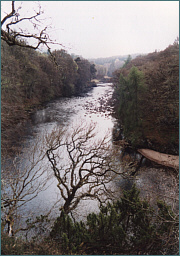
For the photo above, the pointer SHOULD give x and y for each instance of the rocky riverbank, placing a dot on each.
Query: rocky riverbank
(155, 182)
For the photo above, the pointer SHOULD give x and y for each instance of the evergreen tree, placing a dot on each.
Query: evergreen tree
(129, 93)
(93, 71)
(129, 58)
(128, 226)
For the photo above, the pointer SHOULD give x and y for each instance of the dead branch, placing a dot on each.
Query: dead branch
(22, 180)
(82, 166)
(11, 35)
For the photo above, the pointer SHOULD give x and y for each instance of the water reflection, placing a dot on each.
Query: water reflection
(90, 108)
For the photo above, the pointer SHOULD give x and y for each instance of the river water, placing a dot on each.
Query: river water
(91, 107)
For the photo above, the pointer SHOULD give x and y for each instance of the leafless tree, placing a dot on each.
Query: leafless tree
(82, 164)
(22, 180)
(12, 31)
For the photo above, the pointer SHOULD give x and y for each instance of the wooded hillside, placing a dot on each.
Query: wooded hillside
(157, 106)
(29, 78)
(106, 66)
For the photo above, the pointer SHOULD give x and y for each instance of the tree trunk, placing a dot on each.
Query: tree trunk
(10, 222)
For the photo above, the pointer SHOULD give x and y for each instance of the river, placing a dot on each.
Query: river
(91, 107)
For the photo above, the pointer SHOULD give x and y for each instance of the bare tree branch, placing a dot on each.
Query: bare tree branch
(11, 14)
(83, 167)
(11, 35)
(22, 180)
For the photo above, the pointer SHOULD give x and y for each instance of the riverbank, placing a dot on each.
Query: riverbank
(30, 79)
(67, 113)
(15, 122)
(159, 183)
(155, 181)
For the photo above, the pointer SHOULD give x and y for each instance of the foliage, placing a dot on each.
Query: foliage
(128, 226)
(129, 93)
(66, 73)
(17, 246)
(85, 71)
(106, 66)
(29, 79)
(158, 106)
(101, 71)
(11, 246)
(129, 58)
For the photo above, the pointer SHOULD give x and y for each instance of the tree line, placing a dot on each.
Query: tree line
(146, 100)
(89, 167)
(127, 226)
(30, 78)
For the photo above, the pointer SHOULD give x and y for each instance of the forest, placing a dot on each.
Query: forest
(29, 79)
(107, 66)
(145, 104)
(147, 100)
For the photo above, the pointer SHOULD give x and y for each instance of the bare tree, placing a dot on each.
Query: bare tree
(22, 180)
(12, 31)
(82, 164)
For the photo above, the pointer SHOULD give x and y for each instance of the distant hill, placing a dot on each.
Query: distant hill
(102, 61)
(106, 66)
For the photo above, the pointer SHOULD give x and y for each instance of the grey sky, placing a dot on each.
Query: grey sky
(108, 28)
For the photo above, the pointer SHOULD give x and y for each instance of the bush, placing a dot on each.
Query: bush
(128, 226)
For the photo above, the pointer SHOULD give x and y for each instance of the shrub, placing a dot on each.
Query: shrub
(128, 226)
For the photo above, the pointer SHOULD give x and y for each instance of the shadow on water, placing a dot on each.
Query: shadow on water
(92, 107)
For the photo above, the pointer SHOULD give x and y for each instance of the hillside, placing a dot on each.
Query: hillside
(30, 79)
(106, 66)
(102, 61)
(157, 103)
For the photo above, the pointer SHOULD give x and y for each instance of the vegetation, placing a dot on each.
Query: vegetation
(130, 94)
(28, 79)
(147, 108)
(128, 226)
(106, 66)
(14, 33)
(147, 100)
(82, 166)
(22, 179)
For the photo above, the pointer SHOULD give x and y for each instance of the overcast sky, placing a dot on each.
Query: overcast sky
(108, 28)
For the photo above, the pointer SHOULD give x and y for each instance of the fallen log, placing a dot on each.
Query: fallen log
(160, 158)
